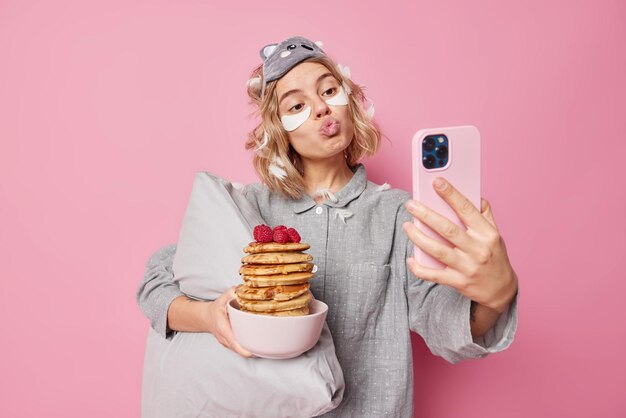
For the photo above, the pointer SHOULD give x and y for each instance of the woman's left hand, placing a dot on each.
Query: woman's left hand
(478, 265)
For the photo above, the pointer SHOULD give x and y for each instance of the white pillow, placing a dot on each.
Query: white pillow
(217, 226)
(192, 374)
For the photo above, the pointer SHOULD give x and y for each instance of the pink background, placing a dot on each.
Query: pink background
(107, 109)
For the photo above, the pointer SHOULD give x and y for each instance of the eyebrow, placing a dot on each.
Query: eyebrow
(320, 78)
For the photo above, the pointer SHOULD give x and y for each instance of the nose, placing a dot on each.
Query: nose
(321, 108)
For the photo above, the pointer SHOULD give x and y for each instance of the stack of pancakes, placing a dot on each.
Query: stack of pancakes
(276, 279)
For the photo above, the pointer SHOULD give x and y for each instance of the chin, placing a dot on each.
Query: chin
(323, 147)
(325, 153)
(336, 143)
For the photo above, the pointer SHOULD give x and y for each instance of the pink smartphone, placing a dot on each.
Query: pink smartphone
(454, 154)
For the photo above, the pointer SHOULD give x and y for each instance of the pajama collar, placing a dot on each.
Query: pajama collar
(350, 191)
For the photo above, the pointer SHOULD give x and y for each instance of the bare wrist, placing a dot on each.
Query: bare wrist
(208, 316)
(506, 300)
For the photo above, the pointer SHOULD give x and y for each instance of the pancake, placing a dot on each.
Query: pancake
(269, 269)
(277, 258)
(275, 247)
(274, 305)
(272, 292)
(292, 312)
(277, 279)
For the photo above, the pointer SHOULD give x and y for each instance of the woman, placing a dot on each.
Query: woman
(313, 132)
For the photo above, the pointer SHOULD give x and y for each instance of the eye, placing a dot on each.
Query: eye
(296, 106)
(332, 90)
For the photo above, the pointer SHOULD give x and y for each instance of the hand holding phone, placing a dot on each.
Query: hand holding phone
(472, 260)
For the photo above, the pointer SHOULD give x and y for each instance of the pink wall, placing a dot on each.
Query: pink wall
(107, 109)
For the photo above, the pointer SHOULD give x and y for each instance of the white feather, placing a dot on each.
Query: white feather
(383, 187)
(343, 214)
(278, 161)
(370, 112)
(326, 194)
(277, 172)
(254, 82)
(276, 168)
(266, 141)
(344, 70)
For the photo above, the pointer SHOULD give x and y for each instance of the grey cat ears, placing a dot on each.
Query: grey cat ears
(278, 59)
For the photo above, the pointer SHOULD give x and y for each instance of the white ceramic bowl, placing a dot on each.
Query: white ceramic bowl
(277, 337)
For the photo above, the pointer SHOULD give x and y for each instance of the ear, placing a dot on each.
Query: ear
(267, 50)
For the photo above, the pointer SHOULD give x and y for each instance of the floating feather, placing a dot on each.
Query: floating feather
(370, 112)
(345, 71)
(266, 140)
(278, 161)
(343, 214)
(326, 194)
(383, 187)
(254, 82)
(276, 168)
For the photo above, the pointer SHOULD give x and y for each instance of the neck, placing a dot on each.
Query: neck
(331, 174)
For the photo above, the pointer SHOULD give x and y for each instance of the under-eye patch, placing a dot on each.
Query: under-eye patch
(339, 99)
(293, 122)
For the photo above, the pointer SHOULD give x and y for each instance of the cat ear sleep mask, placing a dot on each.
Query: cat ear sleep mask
(278, 59)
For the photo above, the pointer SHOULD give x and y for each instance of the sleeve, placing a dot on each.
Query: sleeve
(158, 289)
(440, 314)
(252, 192)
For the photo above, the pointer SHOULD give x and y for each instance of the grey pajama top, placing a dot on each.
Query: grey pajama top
(374, 300)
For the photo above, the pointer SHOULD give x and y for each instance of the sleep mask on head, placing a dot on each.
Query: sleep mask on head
(278, 59)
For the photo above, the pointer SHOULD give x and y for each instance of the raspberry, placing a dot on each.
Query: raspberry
(280, 227)
(263, 233)
(281, 236)
(293, 235)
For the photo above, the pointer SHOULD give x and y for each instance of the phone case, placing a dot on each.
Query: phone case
(462, 171)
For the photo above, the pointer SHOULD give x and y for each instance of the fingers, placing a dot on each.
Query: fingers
(227, 333)
(442, 225)
(224, 333)
(485, 210)
(464, 208)
(436, 249)
(447, 276)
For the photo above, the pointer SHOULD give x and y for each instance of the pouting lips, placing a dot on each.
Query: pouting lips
(330, 127)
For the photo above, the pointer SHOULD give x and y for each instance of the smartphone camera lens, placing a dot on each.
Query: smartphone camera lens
(435, 152)
(429, 144)
(429, 161)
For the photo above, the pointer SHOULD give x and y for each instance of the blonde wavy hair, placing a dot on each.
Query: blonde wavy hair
(365, 143)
